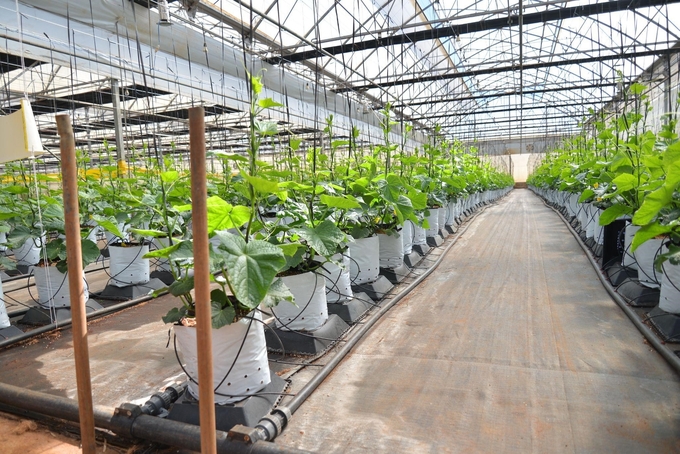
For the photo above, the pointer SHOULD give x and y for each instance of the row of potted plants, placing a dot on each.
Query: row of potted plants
(271, 225)
(626, 170)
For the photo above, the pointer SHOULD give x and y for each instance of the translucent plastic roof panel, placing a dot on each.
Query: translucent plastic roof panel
(478, 68)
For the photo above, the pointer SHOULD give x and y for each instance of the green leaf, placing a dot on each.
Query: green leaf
(268, 103)
(625, 182)
(343, 203)
(221, 315)
(261, 185)
(278, 292)
(170, 176)
(175, 314)
(251, 267)
(647, 232)
(324, 238)
(266, 128)
(653, 203)
(89, 251)
(289, 249)
(255, 84)
(585, 195)
(110, 224)
(7, 264)
(150, 233)
(222, 215)
(614, 212)
(181, 286)
(15, 189)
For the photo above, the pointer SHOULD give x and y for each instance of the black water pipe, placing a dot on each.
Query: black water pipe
(128, 421)
(269, 427)
(646, 331)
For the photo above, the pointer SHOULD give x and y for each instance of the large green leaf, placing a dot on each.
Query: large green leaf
(182, 286)
(268, 103)
(324, 238)
(221, 312)
(652, 204)
(647, 232)
(222, 215)
(251, 267)
(343, 203)
(613, 212)
(261, 185)
(625, 182)
(278, 292)
(110, 224)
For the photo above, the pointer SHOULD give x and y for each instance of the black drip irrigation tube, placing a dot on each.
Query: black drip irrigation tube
(646, 331)
(67, 322)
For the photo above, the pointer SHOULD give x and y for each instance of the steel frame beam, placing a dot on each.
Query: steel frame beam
(460, 29)
(525, 67)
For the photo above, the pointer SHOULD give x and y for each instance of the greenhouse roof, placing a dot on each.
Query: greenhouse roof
(477, 68)
(481, 70)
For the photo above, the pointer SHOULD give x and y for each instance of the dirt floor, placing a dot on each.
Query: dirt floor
(22, 436)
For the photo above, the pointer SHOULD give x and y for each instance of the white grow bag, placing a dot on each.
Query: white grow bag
(644, 256)
(450, 213)
(4, 318)
(419, 235)
(590, 227)
(407, 237)
(126, 265)
(442, 218)
(3, 241)
(28, 253)
(391, 249)
(251, 370)
(53, 288)
(598, 230)
(628, 257)
(311, 312)
(365, 260)
(669, 299)
(338, 281)
(433, 221)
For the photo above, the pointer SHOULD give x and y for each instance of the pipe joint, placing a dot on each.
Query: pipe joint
(124, 418)
(273, 424)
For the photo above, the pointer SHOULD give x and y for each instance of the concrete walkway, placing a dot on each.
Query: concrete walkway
(511, 345)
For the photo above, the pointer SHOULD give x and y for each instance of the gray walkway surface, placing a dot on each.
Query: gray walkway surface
(511, 345)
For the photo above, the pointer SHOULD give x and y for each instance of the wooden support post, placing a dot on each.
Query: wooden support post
(199, 217)
(75, 282)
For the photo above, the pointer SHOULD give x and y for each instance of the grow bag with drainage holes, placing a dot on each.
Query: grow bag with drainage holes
(53, 288)
(391, 249)
(433, 222)
(251, 370)
(309, 290)
(419, 235)
(645, 255)
(669, 299)
(126, 265)
(28, 253)
(365, 260)
(590, 226)
(407, 237)
(338, 281)
(442, 218)
(450, 218)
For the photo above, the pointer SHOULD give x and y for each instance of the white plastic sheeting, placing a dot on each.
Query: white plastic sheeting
(126, 265)
(407, 237)
(590, 226)
(365, 262)
(598, 230)
(29, 253)
(338, 280)
(251, 370)
(53, 288)
(311, 312)
(391, 250)
(644, 256)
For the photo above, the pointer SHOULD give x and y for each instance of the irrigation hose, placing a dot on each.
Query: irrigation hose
(646, 331)
(273, 424)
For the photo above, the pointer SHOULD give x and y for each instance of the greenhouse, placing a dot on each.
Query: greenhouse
(423, 226)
